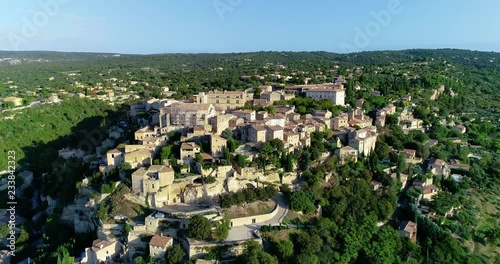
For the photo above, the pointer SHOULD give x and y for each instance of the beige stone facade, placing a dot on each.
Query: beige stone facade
(340, 121)
(186, 115)
(257, 133)
(217, 144)
(221, 122)
(274, 132)
(270, 97)
(247, 115)
(138, 156)
(225, 99)
(363, 140)
(347, 154)
(145, 132)
(333, 92)
(152, 179)
(105, 250)
(189, 151)
(115, 157)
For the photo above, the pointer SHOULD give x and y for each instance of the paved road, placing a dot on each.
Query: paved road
(246, 232)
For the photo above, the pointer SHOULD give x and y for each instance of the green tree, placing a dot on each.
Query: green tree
(166, 152)
(253, 254)
(199, 228)
(174, 254)
(63, 256)
(391, 120)
(23, 237)
(198, 158)
(382, 150)
(227, 154)
(241, 160)
(284, 249)
(222, 228)
(125, 166)
(4, 230)
(302, 201)
(102, 211)
(227, 134)
(307, 258)
(289, 163)
(139, 260)
(127, 228)
(384, 247)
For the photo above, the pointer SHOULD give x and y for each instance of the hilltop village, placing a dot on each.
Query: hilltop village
(186, 155)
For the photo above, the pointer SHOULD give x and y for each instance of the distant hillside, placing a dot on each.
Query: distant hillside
(478, 59)
(478, 72)
(19, 57)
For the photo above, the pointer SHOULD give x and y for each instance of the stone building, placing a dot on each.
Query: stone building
(158, 245)
(330, 91)
(217, 144)
(225, 99)
(185, 115)
(150, 180)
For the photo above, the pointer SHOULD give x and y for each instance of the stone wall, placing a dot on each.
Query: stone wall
(199, 248)
(249, 220)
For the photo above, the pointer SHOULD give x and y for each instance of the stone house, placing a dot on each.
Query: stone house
(257, 133)
(188, 152)
(274, 132)
(347, 154)
(408, 229)
(159, 244)
(152, 179)
(217, 144)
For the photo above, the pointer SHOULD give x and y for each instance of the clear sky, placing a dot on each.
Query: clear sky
(166, 26)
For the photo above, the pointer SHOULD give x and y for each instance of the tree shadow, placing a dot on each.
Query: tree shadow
(57, 178)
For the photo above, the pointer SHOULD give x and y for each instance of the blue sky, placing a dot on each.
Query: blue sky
(145, 27)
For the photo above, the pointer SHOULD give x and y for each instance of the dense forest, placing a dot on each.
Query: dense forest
(39, 126)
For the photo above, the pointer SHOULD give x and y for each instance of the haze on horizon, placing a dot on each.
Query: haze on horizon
(220, 26)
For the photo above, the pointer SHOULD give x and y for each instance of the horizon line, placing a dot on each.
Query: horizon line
(260, 51)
